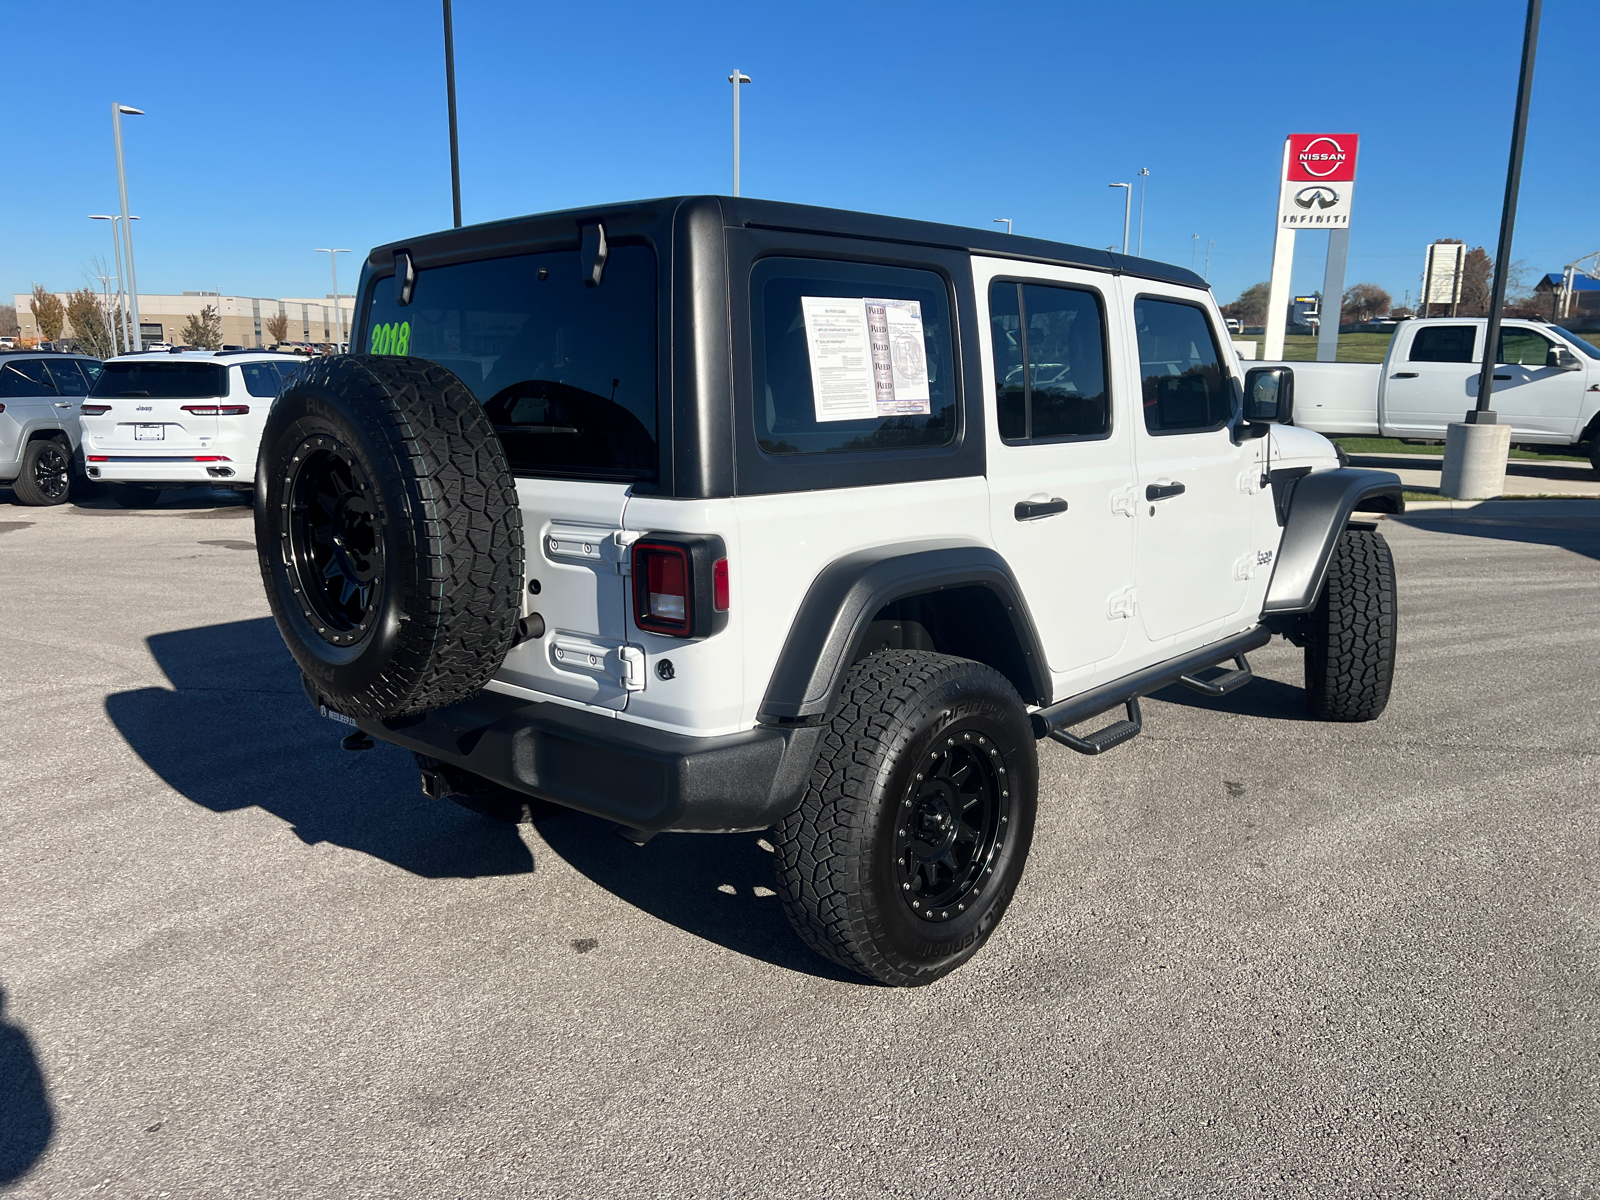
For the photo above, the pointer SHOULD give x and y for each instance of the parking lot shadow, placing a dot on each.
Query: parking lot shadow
(1261, 697)
(235, 730)
(26, 1121)
(1570, 524)
(705, 884)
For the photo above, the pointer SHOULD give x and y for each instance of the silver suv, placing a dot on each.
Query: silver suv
(39, 433)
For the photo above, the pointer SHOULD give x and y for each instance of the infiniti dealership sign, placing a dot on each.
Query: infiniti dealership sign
(1319, 180)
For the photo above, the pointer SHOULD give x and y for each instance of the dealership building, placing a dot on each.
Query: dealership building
(244, 318)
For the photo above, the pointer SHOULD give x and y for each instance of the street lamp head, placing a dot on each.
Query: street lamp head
(738, 76)
(1144, 170)
(99, 217)
(1126, 185)
(129, 111)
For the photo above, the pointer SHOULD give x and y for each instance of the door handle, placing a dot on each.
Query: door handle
(1404, 375)
(1032, 510)
(1160, 491)
(1502, 377)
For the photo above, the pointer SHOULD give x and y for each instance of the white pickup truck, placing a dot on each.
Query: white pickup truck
(1546, 385)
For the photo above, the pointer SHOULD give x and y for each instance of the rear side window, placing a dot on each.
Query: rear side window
(260, 378)
(25, 378)
(164, 380)
(1049, 362)
(69, 379)
(1180, 368)
(850, 357)
(565, 372)
(1443, 343)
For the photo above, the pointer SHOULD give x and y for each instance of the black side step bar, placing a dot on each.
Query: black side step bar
(1222, 684)
(1053, 721)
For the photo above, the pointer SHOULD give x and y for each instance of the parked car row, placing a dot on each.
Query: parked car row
(138, 422)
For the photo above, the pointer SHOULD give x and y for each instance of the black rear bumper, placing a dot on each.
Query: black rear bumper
(647, 779)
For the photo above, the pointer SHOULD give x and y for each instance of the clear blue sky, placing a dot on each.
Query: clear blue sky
(275, 129)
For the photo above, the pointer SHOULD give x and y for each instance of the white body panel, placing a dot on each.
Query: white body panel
(1407, 398)
(23, 417)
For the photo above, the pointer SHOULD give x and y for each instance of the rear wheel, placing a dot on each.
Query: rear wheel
(904, 854)
(135, 495)
(46, 475)
(1350, 635)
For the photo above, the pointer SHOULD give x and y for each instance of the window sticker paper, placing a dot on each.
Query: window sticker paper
(868, 358)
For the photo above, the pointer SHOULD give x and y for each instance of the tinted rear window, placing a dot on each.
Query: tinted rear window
(260, 378)
(1443, 343)
(163, 380)
(25, 377)
(864, 357)
(566, 373)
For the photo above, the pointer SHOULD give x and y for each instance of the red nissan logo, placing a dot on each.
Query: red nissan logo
(1321, 157)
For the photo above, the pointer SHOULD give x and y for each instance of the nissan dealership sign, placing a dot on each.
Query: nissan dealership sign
(1319, 181)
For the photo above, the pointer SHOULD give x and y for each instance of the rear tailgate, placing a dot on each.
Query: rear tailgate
(144, 408)
(1334, 397)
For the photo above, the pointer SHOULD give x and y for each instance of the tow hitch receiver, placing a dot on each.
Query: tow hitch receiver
(1105, 739)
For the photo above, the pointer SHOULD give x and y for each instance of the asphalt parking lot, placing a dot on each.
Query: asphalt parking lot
(1252, 955)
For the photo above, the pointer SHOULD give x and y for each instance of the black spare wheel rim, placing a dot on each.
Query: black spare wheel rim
(953, 825)
(332, 540)
(52, 473)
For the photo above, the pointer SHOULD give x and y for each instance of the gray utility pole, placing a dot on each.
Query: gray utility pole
(450, 101)
(738, 77)
(1006, 221)
(122, 303)
(338, 313)
(1144, 173)
(1194, 250)
(1483, 414)
(1127, 211)
(117, 111)
(1210, 245)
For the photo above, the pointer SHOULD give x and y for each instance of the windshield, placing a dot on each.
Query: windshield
(164, 380)
(1577, 342)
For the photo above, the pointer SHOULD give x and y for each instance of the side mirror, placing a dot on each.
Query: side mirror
(1269, 395)
(1562, 359)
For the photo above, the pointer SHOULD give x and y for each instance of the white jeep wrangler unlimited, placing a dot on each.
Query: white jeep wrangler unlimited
(715, 514)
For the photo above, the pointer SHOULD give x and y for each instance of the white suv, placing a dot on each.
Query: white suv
(714, 514)
(155, 421)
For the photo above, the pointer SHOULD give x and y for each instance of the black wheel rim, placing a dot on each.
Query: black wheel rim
(52, 474)
(953, 824)
(332, 540)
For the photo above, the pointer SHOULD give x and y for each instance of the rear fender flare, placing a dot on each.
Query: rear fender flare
(1319, 508)
(832, 620)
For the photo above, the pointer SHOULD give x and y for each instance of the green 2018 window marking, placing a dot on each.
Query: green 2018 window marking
(391, 339)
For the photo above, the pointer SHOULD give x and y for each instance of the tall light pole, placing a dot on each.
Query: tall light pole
(1144, 173)
(1210, 242)
(1194, 249)
(450, 100)
(117, 111)
(1006, 221)
(738, 77)
(1127, 211)
(122, 304)
(338, 313)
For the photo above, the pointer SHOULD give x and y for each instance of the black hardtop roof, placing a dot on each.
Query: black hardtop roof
(504, 235)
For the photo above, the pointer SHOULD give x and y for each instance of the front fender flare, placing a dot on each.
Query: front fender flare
(1320, 506)
(842, 600)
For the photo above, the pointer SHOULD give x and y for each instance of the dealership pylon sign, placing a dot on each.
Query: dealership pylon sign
(1316, 190)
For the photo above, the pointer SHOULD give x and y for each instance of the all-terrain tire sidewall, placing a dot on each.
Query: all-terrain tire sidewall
(450, 527)
(1350, 635)
(836, 856)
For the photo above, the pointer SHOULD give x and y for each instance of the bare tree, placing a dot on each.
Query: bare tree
(48, 312)
(277, 327)
(205, 331)
(88, 321)
(8, 321)
(1475, 283)
(1365, 301)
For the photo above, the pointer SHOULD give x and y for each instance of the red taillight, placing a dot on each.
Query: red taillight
(212, 458)
(99, 457)
(719, 585)
(217, 410)
(94, 410)
(663, 588)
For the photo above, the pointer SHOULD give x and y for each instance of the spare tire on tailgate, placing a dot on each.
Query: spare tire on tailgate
(389, 535)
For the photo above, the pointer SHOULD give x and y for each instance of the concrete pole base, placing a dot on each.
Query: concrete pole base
(1475, 461)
